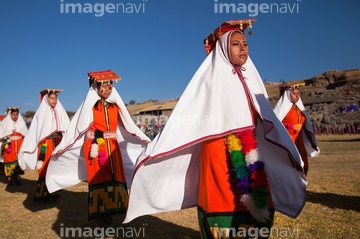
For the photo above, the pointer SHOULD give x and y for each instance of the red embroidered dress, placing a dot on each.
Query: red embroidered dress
(106, 178)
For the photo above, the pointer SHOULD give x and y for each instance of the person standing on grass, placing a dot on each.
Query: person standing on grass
(223, 149)
(291, 111)
(47, 127)
(12, 133)
(100, 146)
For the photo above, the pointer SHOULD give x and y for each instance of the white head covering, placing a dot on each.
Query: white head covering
(46, 121)
(67, 165)
(281, 109)
(8, 126)
(214, 105)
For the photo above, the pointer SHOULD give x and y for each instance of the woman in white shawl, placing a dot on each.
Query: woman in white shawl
(190, 163)
(12, 133)
(100, 146)
(291, 112)
(47, 127)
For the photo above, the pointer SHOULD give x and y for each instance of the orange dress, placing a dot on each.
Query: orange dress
(107, 183)
(10, 158)
(293, 117)
(219, 203)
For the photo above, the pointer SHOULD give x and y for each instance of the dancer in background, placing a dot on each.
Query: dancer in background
(12, 133)
(100, 146)
(47, 127)
(291, 111)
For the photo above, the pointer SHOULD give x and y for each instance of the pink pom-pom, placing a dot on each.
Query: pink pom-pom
(290, 126)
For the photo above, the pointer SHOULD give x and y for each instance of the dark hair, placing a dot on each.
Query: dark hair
(98, 84)
(52, 92)
(14, 111)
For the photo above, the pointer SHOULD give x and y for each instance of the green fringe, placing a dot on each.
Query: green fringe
(43, 149)
(241, 172)
(237, 158)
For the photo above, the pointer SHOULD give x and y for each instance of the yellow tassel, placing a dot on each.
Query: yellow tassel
(233, 143)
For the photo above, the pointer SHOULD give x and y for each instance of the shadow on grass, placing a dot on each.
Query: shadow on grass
(332, 200)
(72, 218)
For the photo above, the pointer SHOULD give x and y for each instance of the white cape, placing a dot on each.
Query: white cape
(8, 126)
(213, 105)
(45, 122)
(281, 109)
(67, 165)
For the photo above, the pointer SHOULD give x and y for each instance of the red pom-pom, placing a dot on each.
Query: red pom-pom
(247, 140)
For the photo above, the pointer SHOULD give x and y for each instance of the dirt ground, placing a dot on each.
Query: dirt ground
(332, 208)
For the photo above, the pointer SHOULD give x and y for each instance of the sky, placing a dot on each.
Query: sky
(156, 46)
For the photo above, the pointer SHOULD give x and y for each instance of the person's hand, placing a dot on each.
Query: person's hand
(297, 127)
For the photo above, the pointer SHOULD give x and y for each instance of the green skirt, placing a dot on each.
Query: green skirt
(106, 199)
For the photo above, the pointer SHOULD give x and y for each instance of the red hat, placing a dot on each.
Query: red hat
(47, 91)
(103, 76)
(210, 41)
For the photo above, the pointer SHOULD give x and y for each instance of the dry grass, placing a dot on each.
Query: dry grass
(331, 211)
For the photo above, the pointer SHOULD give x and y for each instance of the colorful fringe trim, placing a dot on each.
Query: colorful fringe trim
(250, 175)
(7, 144)
(42, 151)
(98, 149)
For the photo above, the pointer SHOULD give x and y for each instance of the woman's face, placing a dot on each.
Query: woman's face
(295, 95)
(238, 49)
(104, 90)
(52, 100)
(14, 116)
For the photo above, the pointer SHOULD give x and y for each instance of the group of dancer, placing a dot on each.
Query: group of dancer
(237, 170)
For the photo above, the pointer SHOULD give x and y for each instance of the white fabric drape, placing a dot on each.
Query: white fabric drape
(46, 121)
(67, 165)
(8, 126)
(213, 105)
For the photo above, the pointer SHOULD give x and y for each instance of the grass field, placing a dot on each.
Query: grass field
(332, 210)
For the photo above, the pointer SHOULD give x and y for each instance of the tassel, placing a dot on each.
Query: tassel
(260, 214)
(94, 150)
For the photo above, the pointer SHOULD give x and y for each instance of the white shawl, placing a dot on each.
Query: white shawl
(67, 165)
(46, 121)
(8, 126)
(213, 105)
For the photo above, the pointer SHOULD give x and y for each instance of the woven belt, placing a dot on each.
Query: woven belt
(90, 134)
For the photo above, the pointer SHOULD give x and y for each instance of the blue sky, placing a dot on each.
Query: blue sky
(157, 50)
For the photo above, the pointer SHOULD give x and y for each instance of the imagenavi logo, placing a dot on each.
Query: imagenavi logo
(253, 9)
(100, 9)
